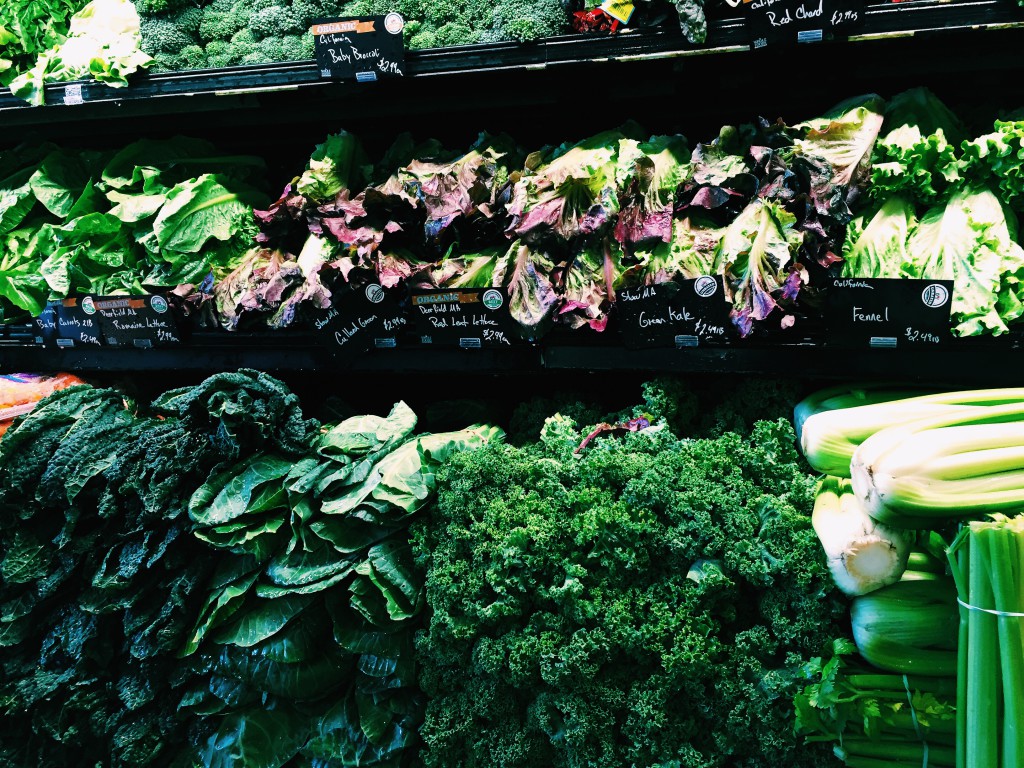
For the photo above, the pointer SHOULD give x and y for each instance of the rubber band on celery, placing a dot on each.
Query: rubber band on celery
(917, 724)
(988, 610)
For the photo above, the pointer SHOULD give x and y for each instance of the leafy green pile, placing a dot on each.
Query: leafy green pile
(102, 44)
(876, 716)
(305, 635)
(186, 34)
(650, 601)
(210, 580)
(152, 215)
(937, 216)
(97, 580)
(561, 229)
(29, 28)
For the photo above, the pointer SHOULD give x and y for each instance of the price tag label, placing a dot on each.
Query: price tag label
(471, 318)
(136, 321)
(360, 319)
(77, 323)
(680, 314)
(363, 48)
(73, 94)
(888, 313)
(774, 22)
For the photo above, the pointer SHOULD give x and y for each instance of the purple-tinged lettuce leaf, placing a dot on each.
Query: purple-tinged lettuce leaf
(755, 255)
(647, 177)
(570, 190)
(281, 217)
(721, 178)
(473, 270)
(525, 274)
(587, 284)
(690, 254)
(256, 288)
(845, 137)
(466, 186)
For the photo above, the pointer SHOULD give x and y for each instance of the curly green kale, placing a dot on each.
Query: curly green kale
(652, 601)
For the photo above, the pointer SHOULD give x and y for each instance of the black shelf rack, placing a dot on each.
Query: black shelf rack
(169, 93)
(993, 362)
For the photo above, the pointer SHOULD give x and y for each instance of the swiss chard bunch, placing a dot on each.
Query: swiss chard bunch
(303, 643)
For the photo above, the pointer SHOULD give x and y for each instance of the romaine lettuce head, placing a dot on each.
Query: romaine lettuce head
(880, 248)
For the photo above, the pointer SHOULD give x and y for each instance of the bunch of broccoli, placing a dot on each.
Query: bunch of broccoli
(197, 34)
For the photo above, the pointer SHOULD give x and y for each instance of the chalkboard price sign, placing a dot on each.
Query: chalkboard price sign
(77, 324)
(135, 321)
(363, 48)
(360, 319)
(471, 318)
(885, 312)
(772, 22)
(679, 314)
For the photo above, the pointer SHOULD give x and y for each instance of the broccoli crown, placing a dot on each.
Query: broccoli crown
(188, 20)
(530, 19)
(651, 599)
(220, 54)
(163, 36)
(193, 57)
(154, 7)
(452, 33)
(308, 46)
(271, 22)
(219, 23)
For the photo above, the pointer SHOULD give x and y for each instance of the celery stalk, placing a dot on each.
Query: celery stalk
(982, 742)
(1000, 543)
(898, 752)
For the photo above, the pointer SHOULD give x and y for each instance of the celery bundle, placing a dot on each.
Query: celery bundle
(878, 720)
(988, 565)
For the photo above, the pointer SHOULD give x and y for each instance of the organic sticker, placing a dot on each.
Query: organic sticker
(492, 299)
(394, 23)
(159, 304)
(705, 286)
(374, 293)
(935, 295)
(88, 306)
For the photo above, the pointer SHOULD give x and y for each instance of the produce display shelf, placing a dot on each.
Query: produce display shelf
(169, 92)
(992, 363)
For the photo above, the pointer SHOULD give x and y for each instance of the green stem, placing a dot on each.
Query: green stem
(982, 742)
(1001, 543)
(899, 752)
(959, 568)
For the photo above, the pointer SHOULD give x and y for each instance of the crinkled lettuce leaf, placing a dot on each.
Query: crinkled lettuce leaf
(844, 136)
(971, 240)
(915, 155)
(690, 254)
(570, 190)
(878, 248)
(997, 158)
(647, 177)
